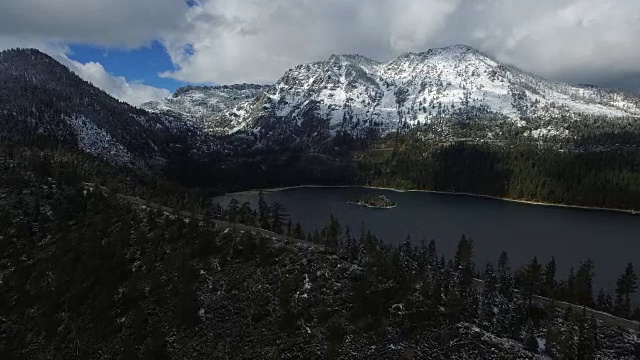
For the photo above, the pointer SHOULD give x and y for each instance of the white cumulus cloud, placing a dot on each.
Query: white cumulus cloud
(132, 92)
(227, 41)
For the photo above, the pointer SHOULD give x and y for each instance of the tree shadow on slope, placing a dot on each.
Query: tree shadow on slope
(474, 169)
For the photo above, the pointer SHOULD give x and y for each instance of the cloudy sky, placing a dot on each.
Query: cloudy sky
(142, 50)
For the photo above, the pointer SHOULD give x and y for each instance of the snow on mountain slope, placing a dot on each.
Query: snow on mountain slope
(456, 82)
(94, 140)
(210, 108)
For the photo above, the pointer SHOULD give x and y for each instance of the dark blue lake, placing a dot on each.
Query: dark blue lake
(610, 239)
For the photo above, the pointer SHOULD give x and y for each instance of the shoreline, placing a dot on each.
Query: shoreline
(528, 202)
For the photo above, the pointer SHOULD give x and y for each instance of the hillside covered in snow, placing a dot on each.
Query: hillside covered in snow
(354, 93)
(210, 108)
(456, 82)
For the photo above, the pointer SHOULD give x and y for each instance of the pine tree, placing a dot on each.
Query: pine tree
(350, 246)
(570, 289)
(277, 216)
(593, 329)
(246, 214)
(567, 345)
(263, 212)
(331, 234)
(529, 337)
(532, 280)
(471, 305)
(584, 283)
(604, 301)
(464, 265)
(436, 290)
(422, 258)
(489, 299)
(406, 249)
(505, 308)
(453, 306)
(505, 280)
(289, 228)
(298, 233)
(587, 339)
(552, 337)
(549, 286)
(432, 254)
(626, 285)
(464, 253)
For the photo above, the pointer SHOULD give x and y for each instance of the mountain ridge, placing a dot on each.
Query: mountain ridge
(208, 108)
(353, 93)
(344, 97)
(43, 97)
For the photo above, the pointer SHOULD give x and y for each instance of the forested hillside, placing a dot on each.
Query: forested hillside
(40, 97)
(85, 275)
(525, 171)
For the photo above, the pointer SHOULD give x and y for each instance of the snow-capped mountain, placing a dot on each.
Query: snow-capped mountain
(41, 97)
(210, 108)
(352, 92)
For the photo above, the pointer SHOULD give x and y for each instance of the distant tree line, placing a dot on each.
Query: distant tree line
(518, 171)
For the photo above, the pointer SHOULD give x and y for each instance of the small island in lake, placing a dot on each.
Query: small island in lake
(375, 201)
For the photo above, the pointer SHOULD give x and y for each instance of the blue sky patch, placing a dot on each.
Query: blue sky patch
(142, 64)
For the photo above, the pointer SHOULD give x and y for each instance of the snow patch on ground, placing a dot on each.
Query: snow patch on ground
(304, 293)
(542, 345)
(214, 109)
(95, 140)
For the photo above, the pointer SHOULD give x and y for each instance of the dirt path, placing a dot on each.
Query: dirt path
(220, 223)
(606, 318)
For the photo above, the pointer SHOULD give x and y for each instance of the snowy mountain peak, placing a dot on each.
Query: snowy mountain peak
(457, 49)
(457, 82)
(353, 59)
(354, 93)
(455, 53)
(222, 88)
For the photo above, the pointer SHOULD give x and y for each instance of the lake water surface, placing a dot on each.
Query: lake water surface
(610, 239)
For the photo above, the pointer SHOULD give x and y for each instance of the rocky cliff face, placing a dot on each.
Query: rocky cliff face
(215, 109)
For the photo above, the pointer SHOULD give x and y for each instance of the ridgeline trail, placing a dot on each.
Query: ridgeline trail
(605, 318)
(220, 223)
